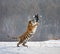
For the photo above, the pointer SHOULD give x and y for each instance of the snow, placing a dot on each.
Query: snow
(45, 47)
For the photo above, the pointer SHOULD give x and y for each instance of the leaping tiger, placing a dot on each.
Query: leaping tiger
(31, 29)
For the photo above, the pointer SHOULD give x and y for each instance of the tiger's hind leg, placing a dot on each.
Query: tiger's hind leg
(24, 44)
(19, 43)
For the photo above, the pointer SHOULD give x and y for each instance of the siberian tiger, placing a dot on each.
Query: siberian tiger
(32, 26)
(31, 29)
(29, 32)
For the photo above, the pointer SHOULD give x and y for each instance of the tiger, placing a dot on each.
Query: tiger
(31, 29)
(29, 32)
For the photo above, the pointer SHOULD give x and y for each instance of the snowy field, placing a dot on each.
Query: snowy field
(45, 47)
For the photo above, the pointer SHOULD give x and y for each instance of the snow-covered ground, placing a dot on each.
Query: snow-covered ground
(45, 47)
